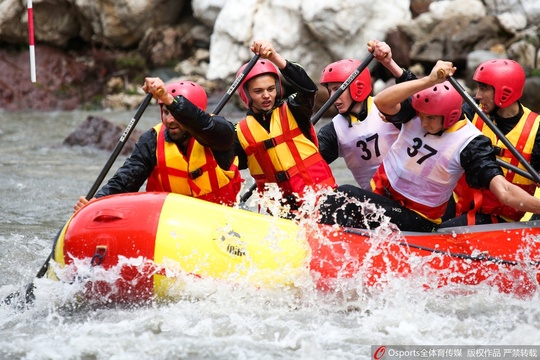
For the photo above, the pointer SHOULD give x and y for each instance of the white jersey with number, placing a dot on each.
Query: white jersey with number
(426, 168)
(364, 144)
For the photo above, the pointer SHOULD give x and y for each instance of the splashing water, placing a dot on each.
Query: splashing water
(215, 319)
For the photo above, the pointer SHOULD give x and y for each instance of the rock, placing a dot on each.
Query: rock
(12, 28)
(162, 46)
(419, 7)
(531, 8)
(316, 32)
(208, 40)
(122, 101)
(400, 43)
(531, 94)
(444, 9)
(62, 81)
(475, 58)
(207, 11)
(524, 53)
(123, 23)
(513, 22)
(454, 37)
(102, 134)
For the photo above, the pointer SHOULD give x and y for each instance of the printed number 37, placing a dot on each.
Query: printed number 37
(418, 144)
(363, 145)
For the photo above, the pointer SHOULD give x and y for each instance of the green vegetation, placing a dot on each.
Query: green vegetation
(93, 104)
(131, 61)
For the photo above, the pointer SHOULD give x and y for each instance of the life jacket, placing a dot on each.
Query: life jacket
(420, 171)
(284, 155)
(522, 136)
(195, 173)
(363, 144)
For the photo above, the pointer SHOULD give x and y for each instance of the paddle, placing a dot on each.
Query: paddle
(29, 293)
(515, 169)
(533, 174)
(324, 108)
(235, 84)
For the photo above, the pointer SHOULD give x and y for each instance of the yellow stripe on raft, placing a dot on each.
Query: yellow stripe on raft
(58, 254)
(217, 241)
(527, 216)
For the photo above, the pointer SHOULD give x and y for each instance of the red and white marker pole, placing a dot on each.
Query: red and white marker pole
(31, 41)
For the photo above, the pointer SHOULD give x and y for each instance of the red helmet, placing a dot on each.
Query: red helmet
(261, 67)
(507, 78)
(339, 71)
(191, 91)
(441, 99)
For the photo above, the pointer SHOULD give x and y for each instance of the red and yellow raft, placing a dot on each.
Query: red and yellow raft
(150, 240)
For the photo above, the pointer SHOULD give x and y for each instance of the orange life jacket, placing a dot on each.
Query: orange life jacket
(196, 173)
(284, 155)
(522, 136)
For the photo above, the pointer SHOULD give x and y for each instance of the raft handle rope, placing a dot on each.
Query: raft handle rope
(483, 256)
(99, 255)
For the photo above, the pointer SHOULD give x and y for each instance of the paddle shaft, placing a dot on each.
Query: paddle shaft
(315, 119)
(533, 174)
(235, 84)
(342, 88)
(142, 108)
(119, 146)
(116, 151)
(127, 133)
(515, 169)
(29, 292)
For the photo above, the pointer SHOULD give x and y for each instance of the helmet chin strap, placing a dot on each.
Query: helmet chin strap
(349, 112)
(353, 104)
(264, 113)
(253, 107)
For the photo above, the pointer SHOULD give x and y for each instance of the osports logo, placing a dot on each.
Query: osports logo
(379, 353)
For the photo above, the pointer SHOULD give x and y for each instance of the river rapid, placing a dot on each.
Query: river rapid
(40, 181)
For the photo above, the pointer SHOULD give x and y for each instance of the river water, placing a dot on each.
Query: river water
(40, 180)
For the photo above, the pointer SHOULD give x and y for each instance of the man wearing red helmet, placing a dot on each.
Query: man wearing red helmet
(500, 86)
(276, 140)
(190, 152)
(437, 144)
(357, 133)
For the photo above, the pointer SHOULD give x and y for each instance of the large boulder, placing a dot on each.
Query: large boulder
(210, 39)
(100, 133)
(123, 23)
(312, 33)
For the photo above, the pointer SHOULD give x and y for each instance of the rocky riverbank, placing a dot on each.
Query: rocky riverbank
(94, 55)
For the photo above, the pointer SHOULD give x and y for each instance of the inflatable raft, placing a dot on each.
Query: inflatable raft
(142, 246)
